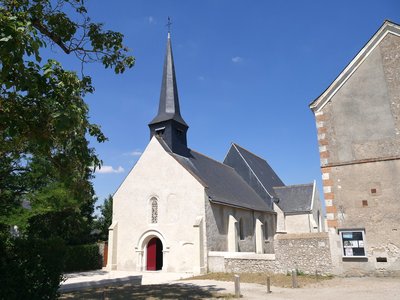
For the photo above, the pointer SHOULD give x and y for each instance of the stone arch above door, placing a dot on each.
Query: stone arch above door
(147, 236)
(141, 248)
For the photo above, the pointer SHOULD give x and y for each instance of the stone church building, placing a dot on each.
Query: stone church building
(358, 122)
(176, 206)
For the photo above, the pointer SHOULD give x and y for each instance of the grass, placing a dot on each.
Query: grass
(279, 280)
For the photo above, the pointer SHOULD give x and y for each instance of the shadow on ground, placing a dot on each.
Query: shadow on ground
(86, 273)
(150, 292)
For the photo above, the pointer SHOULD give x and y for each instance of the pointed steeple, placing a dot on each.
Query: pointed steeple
(169, 101)
(169, 123)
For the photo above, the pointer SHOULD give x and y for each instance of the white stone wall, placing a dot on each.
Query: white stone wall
(299, 223)
(180, 206)
(280, 219)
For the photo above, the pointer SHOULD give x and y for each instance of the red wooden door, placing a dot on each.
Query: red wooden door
(152, 254)
(105, 254)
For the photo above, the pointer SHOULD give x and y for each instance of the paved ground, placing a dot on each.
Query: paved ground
(157, 285)
(147, 277)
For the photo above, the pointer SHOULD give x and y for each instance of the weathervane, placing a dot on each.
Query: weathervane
(169, 23)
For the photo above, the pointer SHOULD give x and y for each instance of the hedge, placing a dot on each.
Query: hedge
(30, 268)
(82, 258)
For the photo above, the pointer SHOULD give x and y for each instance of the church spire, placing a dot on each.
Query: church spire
(168, 122)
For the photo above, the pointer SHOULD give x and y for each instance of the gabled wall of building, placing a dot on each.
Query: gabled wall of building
(359, 138)
(298, 223)
(180, 201)
(360, 120)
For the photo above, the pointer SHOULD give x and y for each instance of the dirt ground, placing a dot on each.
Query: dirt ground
(365, 288)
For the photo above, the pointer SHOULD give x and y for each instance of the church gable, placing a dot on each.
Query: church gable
(154, 176)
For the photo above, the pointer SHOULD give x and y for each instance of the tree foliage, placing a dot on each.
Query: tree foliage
(44, 153)
(46, 163)
(104, 221)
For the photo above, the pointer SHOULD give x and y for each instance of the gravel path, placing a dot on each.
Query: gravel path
(159, 285)
(365, 288)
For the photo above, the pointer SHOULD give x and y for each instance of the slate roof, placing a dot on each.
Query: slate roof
(261, 169)
(169, 101)
(295, 198)
(223, 185)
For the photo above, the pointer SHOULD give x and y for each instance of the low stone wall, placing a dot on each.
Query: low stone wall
(242, 265)
(305, 252)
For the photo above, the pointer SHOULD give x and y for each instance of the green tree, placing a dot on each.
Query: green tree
(104, 221)
(46, 164)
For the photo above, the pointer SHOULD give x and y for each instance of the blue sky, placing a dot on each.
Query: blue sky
(246, 72)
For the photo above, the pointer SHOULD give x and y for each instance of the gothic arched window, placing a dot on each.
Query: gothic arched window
(154, 210)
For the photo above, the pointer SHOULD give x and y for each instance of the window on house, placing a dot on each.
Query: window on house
(353, 243)
(154, 210)
(241, 231)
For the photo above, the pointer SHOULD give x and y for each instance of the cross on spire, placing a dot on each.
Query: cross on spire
(169, 23)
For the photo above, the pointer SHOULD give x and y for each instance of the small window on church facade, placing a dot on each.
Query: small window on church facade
(241, 231)
(154, 210)
(179, 132)
(160, 131)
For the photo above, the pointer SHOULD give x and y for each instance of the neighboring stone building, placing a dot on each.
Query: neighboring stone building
(177, 209)
(358, 122)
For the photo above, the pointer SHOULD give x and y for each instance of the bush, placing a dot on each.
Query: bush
(83, 258)
(30, 268)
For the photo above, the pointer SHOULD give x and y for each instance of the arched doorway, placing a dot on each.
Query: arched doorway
(154, 254)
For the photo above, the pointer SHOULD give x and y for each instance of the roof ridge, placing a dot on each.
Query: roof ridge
(254, 173)
(293, 185)
(235, 144)
(210, 158)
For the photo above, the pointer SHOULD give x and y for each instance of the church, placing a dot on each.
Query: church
(177, 205)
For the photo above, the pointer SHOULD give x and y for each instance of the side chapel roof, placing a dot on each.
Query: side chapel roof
(295, 198)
